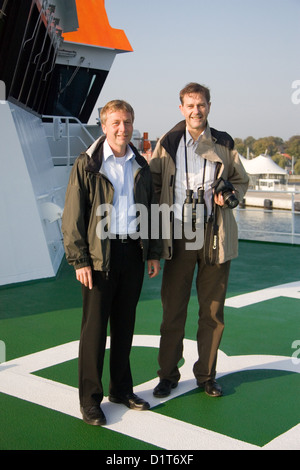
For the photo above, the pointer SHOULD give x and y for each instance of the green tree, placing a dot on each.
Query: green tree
(249, 141)
(270, 145)
(280, 160)
(292, 146)
(240, 146)
(297, 167)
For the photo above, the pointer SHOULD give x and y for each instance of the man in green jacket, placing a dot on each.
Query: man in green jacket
(107, 246)
(191, 157)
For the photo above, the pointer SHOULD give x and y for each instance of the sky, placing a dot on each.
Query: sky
(246, 51)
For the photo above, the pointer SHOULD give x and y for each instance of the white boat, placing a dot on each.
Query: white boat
(54, 59)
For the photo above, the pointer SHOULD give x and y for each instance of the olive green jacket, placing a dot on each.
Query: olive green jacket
(87, 190)
(217, 147)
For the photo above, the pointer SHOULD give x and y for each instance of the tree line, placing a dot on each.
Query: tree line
(279, 150)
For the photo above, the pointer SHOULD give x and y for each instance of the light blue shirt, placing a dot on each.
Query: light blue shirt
(195, 174)
(119, 171)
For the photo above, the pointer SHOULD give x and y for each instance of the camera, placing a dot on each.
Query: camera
(189, 210)
(226, 188)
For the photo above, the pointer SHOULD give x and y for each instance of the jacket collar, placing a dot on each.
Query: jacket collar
(170, 141)
(95, 154)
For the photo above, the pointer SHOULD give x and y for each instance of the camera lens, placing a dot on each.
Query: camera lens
(230, 199)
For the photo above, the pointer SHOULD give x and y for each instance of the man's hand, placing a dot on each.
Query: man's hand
(153, 267)
(84, 275)
(219, 199)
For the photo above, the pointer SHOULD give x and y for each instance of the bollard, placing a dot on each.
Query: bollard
(268, 204)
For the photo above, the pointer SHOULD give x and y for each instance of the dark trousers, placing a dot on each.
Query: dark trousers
(211, 284)
(113, 298)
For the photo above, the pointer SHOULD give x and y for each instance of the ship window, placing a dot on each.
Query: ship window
(27, 58)
(74, 92)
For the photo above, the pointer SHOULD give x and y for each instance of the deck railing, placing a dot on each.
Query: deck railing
(67, 137)
(278, 221)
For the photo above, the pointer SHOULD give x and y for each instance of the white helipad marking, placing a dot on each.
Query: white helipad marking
(16, 379)
(292, 290)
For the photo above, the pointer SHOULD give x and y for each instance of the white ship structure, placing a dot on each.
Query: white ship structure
(54, 59)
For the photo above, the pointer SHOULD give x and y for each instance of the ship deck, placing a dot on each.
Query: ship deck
(258, 367)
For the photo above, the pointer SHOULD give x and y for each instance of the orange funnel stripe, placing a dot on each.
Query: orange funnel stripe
(94, 28)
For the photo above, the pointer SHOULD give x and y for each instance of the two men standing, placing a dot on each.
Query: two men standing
(111, 269)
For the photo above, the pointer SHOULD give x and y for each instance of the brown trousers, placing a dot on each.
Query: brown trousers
(211, 284)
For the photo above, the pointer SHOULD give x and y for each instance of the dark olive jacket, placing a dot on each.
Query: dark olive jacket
(87, 190)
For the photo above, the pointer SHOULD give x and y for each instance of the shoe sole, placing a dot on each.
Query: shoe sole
(214, 396)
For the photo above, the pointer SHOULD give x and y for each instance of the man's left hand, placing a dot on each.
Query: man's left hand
(153, 267)
(219, 199)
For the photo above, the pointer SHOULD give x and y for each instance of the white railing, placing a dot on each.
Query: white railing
(65, 145)
(279, 221)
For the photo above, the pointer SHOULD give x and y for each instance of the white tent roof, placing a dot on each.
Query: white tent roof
(262, 165)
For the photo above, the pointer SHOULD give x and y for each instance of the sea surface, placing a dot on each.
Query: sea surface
(268, 225)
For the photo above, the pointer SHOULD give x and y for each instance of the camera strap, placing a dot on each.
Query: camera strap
(211, 235)
(214, 205)
(186, 165)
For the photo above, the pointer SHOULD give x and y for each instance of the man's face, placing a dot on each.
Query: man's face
(195, 109)
(118, 129)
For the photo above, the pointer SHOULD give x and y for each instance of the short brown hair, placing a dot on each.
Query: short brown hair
(115, 105)
(192, 88)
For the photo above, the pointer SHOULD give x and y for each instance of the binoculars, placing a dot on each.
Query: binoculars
(190, 214)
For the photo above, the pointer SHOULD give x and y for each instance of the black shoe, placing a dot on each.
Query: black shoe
(132, 401)
(93, 415)
(211, 388)
(163, 389)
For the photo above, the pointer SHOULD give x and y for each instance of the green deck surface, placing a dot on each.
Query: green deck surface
(257, 406)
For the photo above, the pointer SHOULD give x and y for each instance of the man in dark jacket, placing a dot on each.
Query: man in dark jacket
(107, 248)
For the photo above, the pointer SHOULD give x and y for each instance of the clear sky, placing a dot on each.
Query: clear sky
(246, 51)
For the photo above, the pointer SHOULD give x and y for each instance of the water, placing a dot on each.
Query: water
(265, 225)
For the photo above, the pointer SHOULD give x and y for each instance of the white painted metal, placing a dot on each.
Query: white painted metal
(30, 245)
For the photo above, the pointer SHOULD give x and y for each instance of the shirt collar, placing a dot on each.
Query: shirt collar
(190, 140)
(107, 152)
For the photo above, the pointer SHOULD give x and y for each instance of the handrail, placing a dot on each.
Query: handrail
(67, 136)
(295, 236)
(69, 118)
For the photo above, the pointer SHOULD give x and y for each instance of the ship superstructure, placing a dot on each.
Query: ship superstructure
(55, 56)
